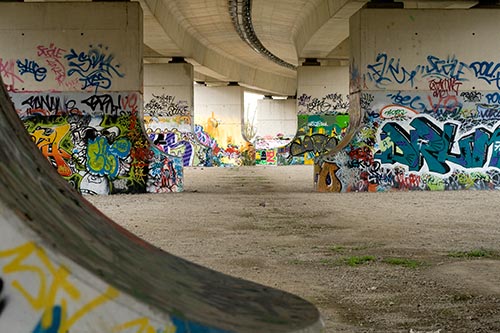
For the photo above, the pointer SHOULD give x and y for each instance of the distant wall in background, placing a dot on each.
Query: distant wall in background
(219, 124)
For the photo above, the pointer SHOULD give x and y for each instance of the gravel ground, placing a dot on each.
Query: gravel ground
(371, 262)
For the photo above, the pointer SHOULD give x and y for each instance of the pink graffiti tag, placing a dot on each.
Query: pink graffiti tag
(8, 72)
(52, 54)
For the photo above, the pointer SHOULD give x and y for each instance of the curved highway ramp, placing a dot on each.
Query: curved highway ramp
(65, 267)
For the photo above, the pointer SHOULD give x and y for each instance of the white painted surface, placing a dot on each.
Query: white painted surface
(220, 110)
(274, 116)
(317, 83)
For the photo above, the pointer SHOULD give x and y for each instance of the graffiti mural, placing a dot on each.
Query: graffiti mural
(168, 124)
(96, 142)
(322, 122)
(271, 150)
(440, 138)
(316, 135)
(51, 290)
(52, 300)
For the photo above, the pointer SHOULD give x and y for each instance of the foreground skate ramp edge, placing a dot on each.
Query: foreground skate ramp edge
(65, 267)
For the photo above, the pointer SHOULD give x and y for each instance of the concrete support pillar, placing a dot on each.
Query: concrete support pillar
(218, 120)
(74, 72)
(426, 83)
(322, 103)
(168, 112)
(275, 126)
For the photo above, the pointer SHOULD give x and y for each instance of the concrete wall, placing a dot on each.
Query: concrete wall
(427, 85)
(276, 117)
(275, 125)
(74, 71)
(218, 115)
(168, 112)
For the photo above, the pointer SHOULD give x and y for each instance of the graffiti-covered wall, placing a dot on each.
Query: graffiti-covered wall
(274, 125)
(168, 112)
(431, 112)
(78, 91)
(322, 104)
(218, 124)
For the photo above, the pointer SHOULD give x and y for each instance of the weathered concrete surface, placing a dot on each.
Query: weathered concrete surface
(66, 267)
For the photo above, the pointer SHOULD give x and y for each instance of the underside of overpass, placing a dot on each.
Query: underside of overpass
(259, 43)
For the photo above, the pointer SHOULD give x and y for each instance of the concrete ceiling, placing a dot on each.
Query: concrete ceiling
(202, 32)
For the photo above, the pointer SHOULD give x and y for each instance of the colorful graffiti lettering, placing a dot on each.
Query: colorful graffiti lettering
(266, 157)
(396, 112)
(96, 141)
(103, 158)
(48, 140)
(325, 177)
(94, 68)
(53, 282)
(428, 143)
(318, 144)
(316, 135)
(182, 144)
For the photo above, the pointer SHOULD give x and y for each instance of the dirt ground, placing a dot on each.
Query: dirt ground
(371, 262)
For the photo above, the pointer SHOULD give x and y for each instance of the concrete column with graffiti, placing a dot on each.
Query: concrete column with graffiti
(427, 85)
(74, 72)
(218, 117)
(322, 104)
(168, 112)
(275, 126)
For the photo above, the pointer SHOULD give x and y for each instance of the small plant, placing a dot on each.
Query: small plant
(403, 262)
(337, 248)
(462, 297)
(358, 260)
(476, 253)
(326, 261)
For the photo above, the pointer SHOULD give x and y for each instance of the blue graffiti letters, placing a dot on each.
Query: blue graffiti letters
(387, 70)
(427, 142)
(443, 68)
(487, 71)
(94, 68)
(31, 67)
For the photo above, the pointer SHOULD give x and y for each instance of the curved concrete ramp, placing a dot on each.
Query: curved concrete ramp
(65, 267)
